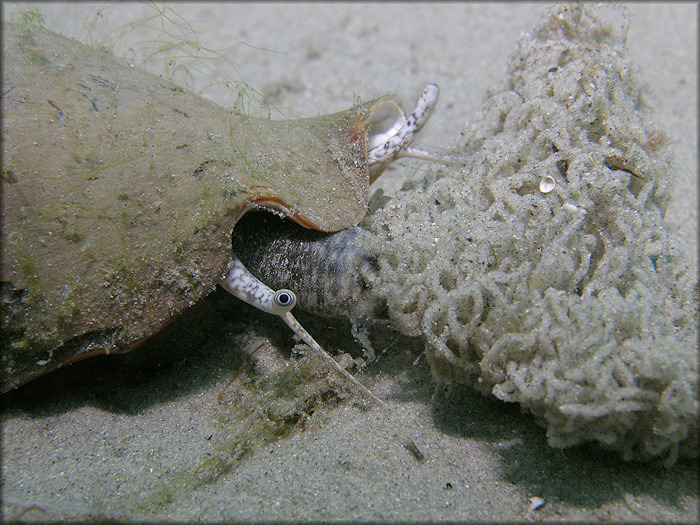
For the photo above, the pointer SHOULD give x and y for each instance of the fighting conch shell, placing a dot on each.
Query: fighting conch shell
(121, 190)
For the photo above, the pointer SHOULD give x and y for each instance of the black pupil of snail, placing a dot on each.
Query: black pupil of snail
(283, 299)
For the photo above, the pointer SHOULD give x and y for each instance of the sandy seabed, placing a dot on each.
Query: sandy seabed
(112, 438)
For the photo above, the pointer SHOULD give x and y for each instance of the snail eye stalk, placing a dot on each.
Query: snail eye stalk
(394, 142)
(244, 285)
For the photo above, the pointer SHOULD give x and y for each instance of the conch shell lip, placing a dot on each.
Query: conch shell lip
(386, 116)
(277, 206)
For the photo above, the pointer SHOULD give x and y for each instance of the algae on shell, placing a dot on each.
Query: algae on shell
(121, 189)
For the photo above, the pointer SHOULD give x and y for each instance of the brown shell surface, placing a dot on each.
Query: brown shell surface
(120, 191)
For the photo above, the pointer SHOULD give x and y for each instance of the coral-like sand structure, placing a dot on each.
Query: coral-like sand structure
(541, 273)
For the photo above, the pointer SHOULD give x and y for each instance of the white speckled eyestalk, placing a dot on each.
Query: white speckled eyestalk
(241, 283)
(398, 145)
